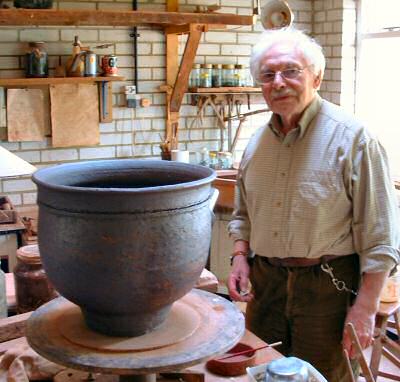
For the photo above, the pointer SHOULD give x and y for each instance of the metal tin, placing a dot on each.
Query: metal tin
(90, 64)
(290, 369)
(109, 65)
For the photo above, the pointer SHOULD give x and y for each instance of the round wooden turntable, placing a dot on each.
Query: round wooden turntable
(199, 326)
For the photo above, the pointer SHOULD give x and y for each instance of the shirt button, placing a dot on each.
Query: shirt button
(278, 204)
(275, 234)
(288, 146)
(283, 174)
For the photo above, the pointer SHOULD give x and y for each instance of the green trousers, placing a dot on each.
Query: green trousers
(303, 309)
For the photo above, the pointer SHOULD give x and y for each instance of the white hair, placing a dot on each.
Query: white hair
(308, 46)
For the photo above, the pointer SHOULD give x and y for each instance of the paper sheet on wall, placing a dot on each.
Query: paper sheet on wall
(74, 115)
(25, 115)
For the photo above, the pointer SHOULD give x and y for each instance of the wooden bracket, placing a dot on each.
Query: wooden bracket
(181, 83)
(105, 97)
(178, 78)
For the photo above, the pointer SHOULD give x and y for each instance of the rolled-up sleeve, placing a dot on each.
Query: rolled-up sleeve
(239, 226)
(376, 220)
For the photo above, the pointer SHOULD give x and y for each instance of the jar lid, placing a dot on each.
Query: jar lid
(217, 66)
(224, 154)
(196, 66)
(206, 66)
(239, 66)
(29, 254)
(228, 66)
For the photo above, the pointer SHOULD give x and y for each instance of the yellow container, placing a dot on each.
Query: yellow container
(391, 290)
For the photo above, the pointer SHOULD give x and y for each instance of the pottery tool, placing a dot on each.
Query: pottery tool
(250, 350)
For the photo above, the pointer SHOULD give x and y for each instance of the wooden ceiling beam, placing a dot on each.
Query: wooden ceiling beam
(16, 17)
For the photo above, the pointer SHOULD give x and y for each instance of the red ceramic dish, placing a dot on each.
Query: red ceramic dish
(235, 365)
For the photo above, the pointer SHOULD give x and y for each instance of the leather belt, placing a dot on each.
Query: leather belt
(298, 261)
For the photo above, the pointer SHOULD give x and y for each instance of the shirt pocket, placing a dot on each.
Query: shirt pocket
(319, 188)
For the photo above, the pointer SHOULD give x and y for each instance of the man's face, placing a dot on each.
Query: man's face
(288, 97)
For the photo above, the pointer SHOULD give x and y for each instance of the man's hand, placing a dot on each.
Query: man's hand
(364, 323)
(362, 313)
(238, 280)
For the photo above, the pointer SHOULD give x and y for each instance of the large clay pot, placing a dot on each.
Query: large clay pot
(124, 239)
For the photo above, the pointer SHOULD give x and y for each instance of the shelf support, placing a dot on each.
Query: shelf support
(172, 66)
(178, 77)
(181, 83)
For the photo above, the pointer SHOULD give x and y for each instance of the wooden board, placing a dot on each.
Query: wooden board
(16, 82)
(25, 115)
(117, 18)
(74, 115)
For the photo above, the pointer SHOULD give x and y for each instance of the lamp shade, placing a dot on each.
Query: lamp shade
(11, 165)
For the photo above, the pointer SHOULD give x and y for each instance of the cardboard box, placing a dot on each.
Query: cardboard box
(7, 213)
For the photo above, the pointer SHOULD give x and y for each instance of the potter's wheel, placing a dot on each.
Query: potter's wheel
(200, 326)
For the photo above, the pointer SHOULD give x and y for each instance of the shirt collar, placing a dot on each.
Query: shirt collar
(308, 115)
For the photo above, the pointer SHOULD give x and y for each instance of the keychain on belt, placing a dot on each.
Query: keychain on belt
(339, 284)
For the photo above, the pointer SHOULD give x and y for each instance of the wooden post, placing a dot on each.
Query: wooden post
(172, 46)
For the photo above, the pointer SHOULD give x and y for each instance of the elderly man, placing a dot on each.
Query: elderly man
(315, 223)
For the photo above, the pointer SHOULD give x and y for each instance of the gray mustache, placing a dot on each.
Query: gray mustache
(283, 93)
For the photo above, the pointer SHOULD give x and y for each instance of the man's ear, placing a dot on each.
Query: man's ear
(317, 81)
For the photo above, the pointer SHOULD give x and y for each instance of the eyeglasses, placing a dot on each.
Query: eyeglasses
(287, 74)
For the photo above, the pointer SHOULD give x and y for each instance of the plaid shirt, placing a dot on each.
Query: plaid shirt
(323, 189)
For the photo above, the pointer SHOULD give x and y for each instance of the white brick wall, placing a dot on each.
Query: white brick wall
(138, 133)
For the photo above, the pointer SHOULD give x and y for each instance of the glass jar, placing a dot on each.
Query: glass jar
(206, 75)
(217, 76)
(224, 160)
(213, 160)
(228, 75)
(240, 76)
(248, 78)
(204, 157)
(194, 79)
(37, 64)
(32, 289)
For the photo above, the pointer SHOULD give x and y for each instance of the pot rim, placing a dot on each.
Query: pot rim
(39, 176)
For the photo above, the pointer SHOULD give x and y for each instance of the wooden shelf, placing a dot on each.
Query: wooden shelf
(239, 89)
(55, 17)
(9, 82)
(104, 85)
(174, 24)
